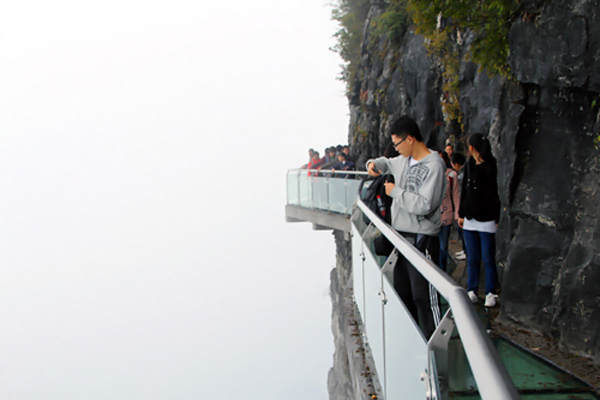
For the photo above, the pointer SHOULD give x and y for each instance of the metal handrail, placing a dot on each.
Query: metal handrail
(491, 376)
(329, 171)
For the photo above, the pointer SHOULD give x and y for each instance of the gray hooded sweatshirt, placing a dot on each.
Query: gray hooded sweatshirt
(418, 193)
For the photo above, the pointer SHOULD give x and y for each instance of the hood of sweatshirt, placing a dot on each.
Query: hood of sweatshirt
(418, 193)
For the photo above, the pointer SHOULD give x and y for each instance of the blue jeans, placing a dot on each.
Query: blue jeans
(444, 238)
(481, 246)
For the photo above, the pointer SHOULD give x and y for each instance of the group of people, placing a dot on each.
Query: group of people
(337, 158)
(475, 205)
(431, 191)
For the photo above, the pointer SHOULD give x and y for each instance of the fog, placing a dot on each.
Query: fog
(144, 252)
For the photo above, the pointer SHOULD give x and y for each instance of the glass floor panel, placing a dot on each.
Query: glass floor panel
(534, 377)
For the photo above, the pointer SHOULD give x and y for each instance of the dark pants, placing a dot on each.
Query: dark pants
(419, 297)
(461, 237)
(444, 239)
(481, 246)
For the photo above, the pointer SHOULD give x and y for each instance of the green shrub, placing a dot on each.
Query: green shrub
(393, 22)
(489, 20)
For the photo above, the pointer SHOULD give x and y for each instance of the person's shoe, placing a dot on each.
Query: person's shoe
(490, 300)
(473, 297)
(460, 255)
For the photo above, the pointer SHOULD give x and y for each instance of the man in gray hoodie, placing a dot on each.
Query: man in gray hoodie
(419, 174)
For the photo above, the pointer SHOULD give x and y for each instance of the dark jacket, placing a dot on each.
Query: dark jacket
(479, 195)
(344, 166)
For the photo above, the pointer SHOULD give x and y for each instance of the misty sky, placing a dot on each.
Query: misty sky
(144, 252)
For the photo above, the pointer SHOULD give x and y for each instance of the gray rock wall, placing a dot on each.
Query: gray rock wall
(550, 240)
(542, 126)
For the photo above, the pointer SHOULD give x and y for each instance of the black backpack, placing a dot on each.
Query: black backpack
(375, 197)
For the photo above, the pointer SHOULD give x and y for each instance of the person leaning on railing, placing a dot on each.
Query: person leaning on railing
(332, 159)
(314, 161)
(343, 165)
(419, 174)
(311, 152)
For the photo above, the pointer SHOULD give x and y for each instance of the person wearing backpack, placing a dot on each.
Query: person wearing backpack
(419, 174)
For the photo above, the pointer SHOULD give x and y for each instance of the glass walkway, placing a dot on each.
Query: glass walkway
(460, 360)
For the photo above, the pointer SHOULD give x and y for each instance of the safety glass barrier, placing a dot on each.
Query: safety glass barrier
(320, 193)
(405, 361)
(325, 190)
(399, 349)
(293, 187)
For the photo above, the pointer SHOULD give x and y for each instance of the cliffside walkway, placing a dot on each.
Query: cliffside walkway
(460, 360)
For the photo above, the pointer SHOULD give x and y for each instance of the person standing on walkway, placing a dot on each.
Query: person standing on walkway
(479, 214)
(458, 161)
(448, 210)
(416, 198)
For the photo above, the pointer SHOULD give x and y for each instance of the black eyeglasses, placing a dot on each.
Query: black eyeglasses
(398, 144)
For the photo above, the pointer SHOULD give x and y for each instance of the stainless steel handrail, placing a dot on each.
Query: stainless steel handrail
(491, 376)
(329, 171)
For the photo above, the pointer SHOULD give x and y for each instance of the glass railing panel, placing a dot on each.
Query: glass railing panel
(368, 237)
(337, 196)
(359, 221)
(406, 350)
(358, 272)
(374, 313)
(293, 193)
(324, 192)
(460, 376)
(399, 349)
(352, 191)
(305, 189)
(320, 195)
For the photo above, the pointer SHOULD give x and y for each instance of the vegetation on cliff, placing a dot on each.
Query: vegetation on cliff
(444, 24)
(351, 16)
(489, 21)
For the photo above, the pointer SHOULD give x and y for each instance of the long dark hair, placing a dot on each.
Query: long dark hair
(446, 159)
(482, 145)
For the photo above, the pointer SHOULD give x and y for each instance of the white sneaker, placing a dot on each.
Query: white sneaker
(490, 300)
(460, 255)
(473, 297)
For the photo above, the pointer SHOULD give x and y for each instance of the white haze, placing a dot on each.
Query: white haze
(143, 248)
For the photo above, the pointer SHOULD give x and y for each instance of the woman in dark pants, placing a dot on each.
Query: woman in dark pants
(479, 214)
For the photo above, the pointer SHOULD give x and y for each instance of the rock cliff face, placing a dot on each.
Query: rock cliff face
(542, 126)
(350, 376)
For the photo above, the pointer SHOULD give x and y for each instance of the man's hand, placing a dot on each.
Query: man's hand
(371, 169)
(461, 222)
(388, 187)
